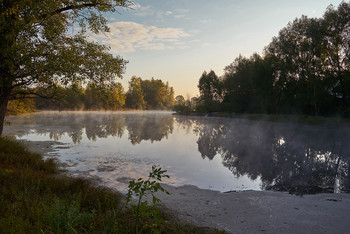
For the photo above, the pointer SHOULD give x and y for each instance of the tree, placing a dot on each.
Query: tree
(38, 50)
(311, 59)
(248, 86)
(169, 98)
(209, 88)
(179, 100)
(299, 66)
(135, 96)
(74, 99)
(157, 95)
(95, 97)
(117, 97)
(337, 49)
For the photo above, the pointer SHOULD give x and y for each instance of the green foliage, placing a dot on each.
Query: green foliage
(210, 90)
(142, 94)
(107, 97)
(38, 47)
(157, 95)
(186, 107)
(149, 94)
(93, 97)
(135, 96)
(248, 86)
(68, 218)
(141, 188)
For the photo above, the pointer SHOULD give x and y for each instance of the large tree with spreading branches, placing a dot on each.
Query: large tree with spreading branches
(40, 47)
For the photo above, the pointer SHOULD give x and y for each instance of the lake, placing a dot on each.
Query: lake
(211, 153)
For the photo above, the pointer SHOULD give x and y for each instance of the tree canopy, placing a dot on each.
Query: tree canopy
(142, 94)
(39, 48)
(149, 94)
(304, 70)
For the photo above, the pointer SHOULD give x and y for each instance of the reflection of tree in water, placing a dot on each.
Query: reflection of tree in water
(294, 158)
(152, 127)
(102, 126)
(149, 127)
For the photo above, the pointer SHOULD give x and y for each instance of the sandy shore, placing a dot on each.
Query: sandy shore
(260, 211)
(250, 211)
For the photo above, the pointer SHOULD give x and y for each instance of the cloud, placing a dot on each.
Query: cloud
(204, 21)
(131, 36)
(148, 10)
(206, 44)
(180, 16)
(142, 10)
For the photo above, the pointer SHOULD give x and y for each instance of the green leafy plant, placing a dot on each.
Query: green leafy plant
(141, 188)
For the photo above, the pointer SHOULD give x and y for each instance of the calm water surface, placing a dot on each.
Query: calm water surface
(213, 153)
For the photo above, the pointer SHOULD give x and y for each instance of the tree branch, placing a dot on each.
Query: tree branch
(74, 7)
(23, 94)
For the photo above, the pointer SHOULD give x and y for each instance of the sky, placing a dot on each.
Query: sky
(177, 40)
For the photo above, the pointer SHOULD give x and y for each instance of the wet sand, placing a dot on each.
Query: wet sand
(250, 211)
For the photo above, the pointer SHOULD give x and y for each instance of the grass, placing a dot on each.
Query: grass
(36, 198)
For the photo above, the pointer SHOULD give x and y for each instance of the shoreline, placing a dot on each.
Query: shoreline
(246, 211)
(307, 119)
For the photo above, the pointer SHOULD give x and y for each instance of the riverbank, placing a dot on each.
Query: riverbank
(35, 197)
(251, 211)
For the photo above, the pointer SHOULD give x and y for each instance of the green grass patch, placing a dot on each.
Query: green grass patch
(36, 198)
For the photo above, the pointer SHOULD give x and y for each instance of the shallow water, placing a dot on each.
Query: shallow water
(213, 153)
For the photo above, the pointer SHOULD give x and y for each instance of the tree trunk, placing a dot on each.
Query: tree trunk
(4, 99)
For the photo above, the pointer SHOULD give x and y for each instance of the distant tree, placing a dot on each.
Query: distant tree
(157, 95)
(180, 104)
(248, 86)
(179, 100)
(210, 91)
(74, 97)
(135, 96)
(95, 97)
(169, 99)
(56, 102)
(117, 97)
(37, 49)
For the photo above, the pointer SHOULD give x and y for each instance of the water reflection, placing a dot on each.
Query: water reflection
(287, 157)
(297, 158)
(139, 127)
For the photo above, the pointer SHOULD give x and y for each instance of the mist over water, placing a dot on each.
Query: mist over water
(214, 153)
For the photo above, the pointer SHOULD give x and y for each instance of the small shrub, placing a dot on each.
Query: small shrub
(141, 188)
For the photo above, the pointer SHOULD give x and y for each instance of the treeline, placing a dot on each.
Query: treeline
(142, 94)
(304, 70)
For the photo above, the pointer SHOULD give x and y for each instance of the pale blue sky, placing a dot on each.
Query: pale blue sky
(176, 40)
